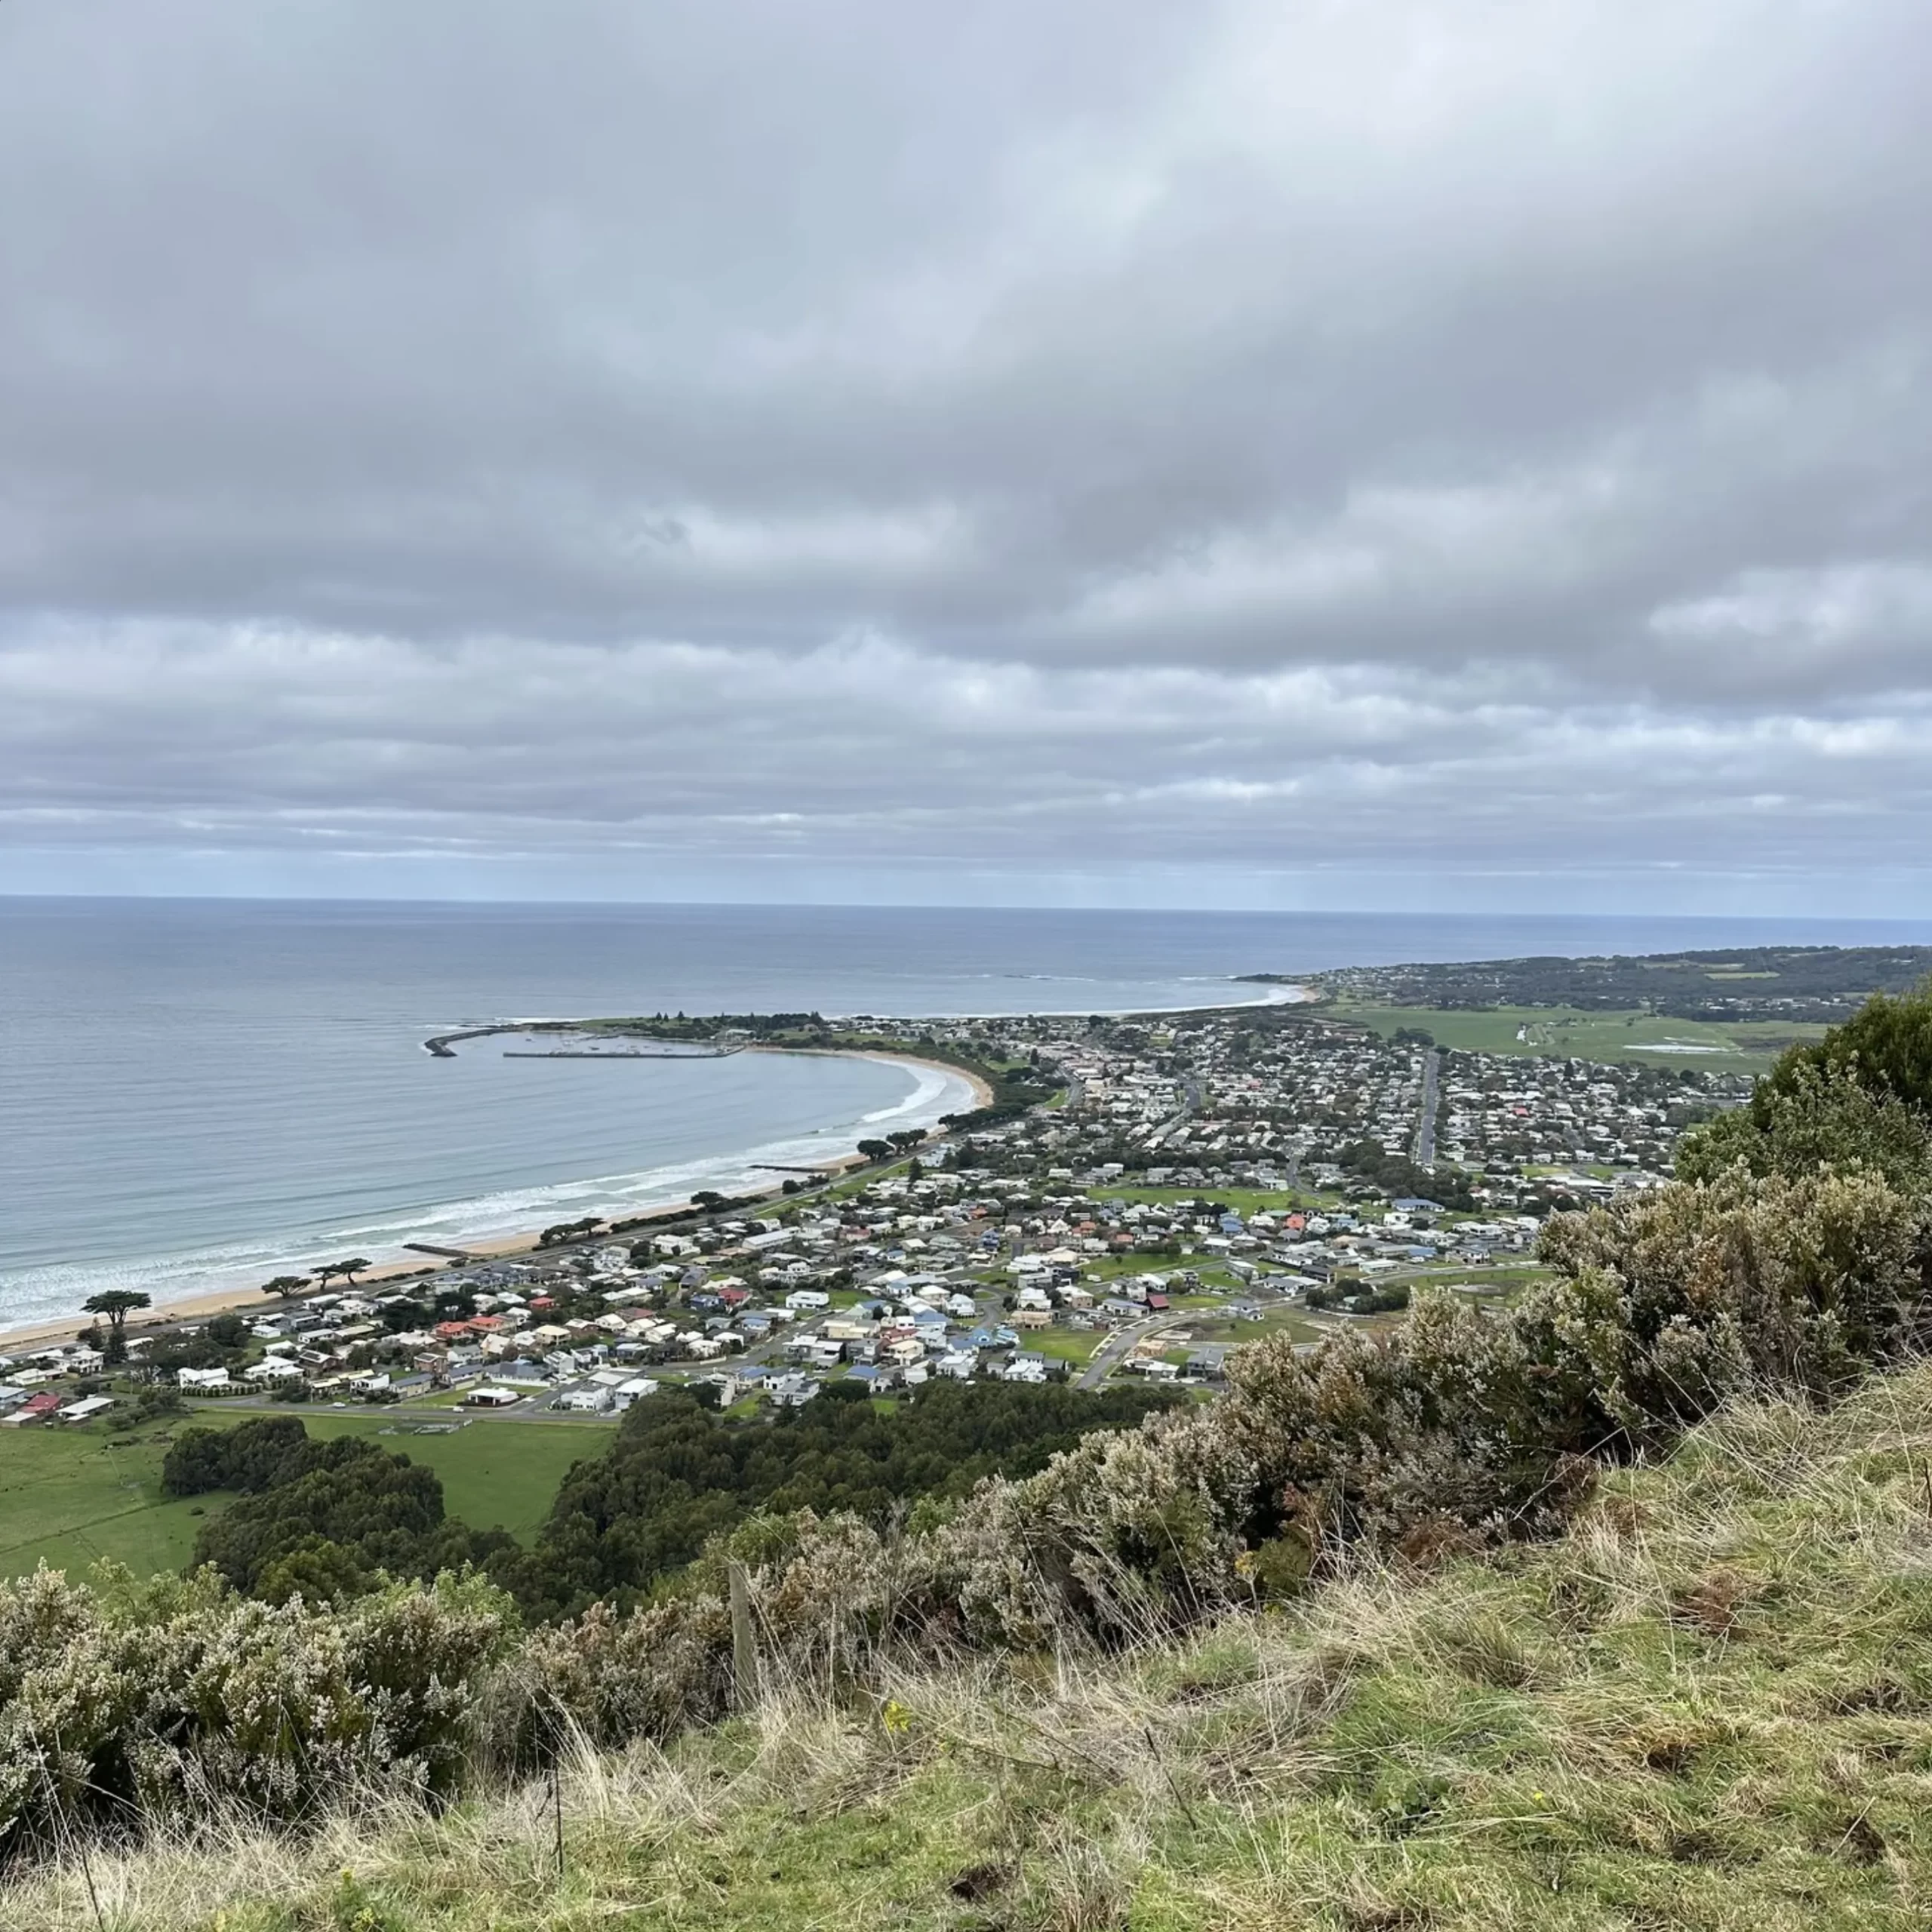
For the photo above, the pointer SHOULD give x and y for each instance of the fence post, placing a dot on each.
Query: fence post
(744, 1644)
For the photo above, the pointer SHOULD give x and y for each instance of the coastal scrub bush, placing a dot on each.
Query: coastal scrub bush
(126, 1704)
(1815, 1116)
(1665, 1307)
(1860, 1097)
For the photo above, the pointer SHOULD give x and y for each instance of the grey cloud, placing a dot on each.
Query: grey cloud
(1116, 430)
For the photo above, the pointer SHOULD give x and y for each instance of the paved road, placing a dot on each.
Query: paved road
(1432, 1068)
(1117, 1347)
(398, 1411)
(1190, 1099)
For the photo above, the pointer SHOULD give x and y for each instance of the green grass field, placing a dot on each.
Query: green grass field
(1565, 1032)
(68, 1497)
(1074, 1345)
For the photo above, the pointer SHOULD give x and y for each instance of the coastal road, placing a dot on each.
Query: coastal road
(1118, 1347)
(1432, 1069)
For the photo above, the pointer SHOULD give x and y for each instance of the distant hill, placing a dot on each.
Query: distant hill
(1813, 983)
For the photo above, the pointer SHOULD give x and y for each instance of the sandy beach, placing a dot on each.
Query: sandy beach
(223, 1301)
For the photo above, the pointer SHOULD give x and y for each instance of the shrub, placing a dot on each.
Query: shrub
(179, 1699)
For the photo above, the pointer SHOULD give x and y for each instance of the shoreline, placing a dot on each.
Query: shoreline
(50, 1329)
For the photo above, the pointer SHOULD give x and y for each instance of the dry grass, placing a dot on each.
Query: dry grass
(1710, 1706)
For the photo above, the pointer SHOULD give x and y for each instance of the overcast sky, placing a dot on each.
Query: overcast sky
(1338, 452)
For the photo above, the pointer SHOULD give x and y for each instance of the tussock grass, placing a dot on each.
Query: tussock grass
(1709, 1706)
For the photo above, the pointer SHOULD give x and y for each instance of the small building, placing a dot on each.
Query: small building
(42, 1407)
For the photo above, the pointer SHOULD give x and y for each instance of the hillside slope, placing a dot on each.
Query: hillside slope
(1709, 1706)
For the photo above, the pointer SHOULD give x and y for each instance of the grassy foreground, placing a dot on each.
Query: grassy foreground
(1710, 1706)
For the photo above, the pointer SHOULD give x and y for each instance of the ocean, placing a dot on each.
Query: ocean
(195, 1094)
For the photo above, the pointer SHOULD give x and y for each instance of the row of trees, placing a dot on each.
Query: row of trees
(114, 1306)
(286, 1285)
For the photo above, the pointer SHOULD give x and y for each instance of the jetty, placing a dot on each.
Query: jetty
(443, 1046)
(668, 1051)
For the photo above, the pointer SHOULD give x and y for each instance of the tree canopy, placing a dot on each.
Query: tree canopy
(321, 1519)
(1860, 1097)
(678, 1472)
(116, 1304)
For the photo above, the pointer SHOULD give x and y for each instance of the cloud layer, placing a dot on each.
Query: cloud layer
(865, 444)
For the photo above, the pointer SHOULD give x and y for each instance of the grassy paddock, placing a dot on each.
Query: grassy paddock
(1073, 1345)
(1705, 1708)
(1564, 1032)
(70, 1497)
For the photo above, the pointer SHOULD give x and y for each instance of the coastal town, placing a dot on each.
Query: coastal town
(1188, 1181)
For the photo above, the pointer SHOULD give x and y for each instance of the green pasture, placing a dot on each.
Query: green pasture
(1567, 1032)
(1073, 1345)
(70, 1496)
(1214, 1326)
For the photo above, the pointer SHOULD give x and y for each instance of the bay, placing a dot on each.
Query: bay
(194, 1093)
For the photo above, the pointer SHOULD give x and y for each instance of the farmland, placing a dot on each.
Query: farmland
(71, 1497)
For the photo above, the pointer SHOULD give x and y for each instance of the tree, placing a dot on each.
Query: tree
(285, 1285)
(114, 1303)
(875, 1150)
(325, 1515)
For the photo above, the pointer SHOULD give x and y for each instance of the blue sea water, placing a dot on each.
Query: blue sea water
(194, 1094)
